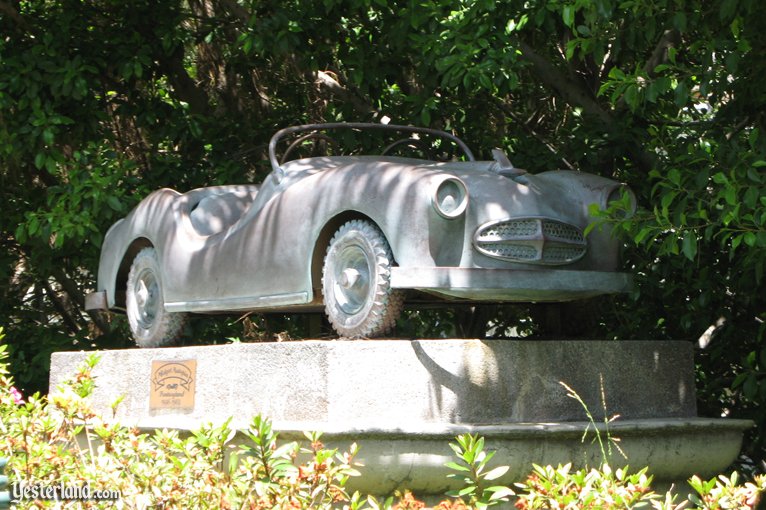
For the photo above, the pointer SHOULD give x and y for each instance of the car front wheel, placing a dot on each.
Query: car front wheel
(359, 300)
(150, 324)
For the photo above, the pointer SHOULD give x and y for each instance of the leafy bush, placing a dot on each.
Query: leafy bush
(60, 440)
(470, 451)
(561, 487)
(163, 469)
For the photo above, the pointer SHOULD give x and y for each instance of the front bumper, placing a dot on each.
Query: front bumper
(96, 301)
(510, 284)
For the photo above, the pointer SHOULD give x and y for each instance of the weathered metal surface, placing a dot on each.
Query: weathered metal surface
(534, 240)
(246, 247)
(509, 284)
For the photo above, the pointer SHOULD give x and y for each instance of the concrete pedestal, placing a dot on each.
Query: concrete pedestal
(403, 401)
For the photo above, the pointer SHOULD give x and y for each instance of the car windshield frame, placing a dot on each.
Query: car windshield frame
(279, 135)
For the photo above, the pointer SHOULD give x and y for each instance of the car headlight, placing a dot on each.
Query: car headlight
(617, 195)
(450, 198)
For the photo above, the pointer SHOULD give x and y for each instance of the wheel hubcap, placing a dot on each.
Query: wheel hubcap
(349, 278)
(147, 292)
(352, 279)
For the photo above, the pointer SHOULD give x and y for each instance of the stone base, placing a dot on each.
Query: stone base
(403, 401)
(673, 449)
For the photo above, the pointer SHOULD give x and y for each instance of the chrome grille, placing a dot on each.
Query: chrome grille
(531, 240)
(562, 231)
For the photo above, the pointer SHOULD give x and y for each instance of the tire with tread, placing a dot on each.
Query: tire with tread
(359, 300)
(150, 323)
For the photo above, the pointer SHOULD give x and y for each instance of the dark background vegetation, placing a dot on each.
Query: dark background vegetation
(103, 101)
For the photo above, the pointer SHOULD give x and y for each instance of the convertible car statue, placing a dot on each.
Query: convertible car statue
(359, 235)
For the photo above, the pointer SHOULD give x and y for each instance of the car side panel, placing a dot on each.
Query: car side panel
(152, 221)
(270, 254)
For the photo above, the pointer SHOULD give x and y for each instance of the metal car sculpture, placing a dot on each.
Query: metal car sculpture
(359, 235)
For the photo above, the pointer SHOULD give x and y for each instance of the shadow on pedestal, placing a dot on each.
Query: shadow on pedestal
(403, 401)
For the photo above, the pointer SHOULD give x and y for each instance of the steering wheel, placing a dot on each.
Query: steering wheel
(299, 141)
(412, 143)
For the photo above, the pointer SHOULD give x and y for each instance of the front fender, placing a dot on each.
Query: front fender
(397, 198)
(146, 225)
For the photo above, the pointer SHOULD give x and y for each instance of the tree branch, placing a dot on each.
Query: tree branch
(329, 85)
(69, 320)
(13, 15)
(565, 87)
(535, 134)
(576, 95)
(74, 292)
(185, 88)
(232, 7)
(669, 39)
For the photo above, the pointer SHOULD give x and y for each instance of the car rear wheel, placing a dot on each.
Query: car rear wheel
(359, 300)
(150, 324)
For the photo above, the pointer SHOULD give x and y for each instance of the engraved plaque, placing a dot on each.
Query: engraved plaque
(173, 384)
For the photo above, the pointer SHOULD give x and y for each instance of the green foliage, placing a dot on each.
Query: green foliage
(725, 492)
(587, 488)
(472, 471)
(562, 487)
(118, 99)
